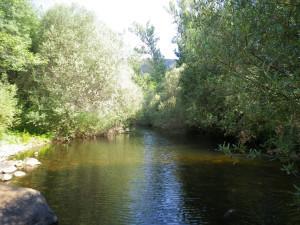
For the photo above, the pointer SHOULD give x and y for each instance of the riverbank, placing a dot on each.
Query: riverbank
(13, 144)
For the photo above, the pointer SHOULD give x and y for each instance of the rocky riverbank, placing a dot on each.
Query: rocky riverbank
(7, 150)
(11, 168)
(17, 168)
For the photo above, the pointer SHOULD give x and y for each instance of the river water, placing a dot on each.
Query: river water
(146, 177)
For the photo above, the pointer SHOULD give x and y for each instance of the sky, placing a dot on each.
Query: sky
(119, 15)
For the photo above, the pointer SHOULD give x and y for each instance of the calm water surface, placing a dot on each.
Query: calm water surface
(149, 178)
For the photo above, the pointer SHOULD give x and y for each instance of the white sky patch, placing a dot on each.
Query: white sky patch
(120, 14)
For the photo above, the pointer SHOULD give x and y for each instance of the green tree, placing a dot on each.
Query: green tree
(149, 48)
(161, 107)
(18, 25)
(242, 69)
(78, 90)
(8, 104)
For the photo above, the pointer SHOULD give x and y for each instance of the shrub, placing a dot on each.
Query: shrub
(85, 87)
(8, 104)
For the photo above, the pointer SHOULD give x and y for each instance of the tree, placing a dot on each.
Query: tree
(77, 92)
(18, 25)
(149, 48)
(242, 72)
(8, 104)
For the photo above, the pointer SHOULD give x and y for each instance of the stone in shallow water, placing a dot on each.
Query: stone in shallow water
(19, 174)
(31, 162)
(24, 206)
(7, 167)
(19, 163)
(5, 177)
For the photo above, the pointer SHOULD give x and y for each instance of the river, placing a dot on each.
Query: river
(146, 177)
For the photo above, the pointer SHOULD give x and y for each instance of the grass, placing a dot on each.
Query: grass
(13, 137)
(31, 153)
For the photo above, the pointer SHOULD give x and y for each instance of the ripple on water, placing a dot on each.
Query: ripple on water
(148, 178)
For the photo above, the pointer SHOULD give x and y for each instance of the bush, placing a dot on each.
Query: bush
(85, 86)
(8, 104)
(162, 104)
(242, 74)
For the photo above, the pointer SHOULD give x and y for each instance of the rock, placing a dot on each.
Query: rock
(24, 206)
(19, 174)
(5, 177)
(32, 162)
(19, 164)
(229, 213)
(7, 167)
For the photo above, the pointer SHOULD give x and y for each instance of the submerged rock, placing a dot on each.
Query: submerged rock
(19, 174)
(5, 177)
(229, 213)
(24, 206)
(32, 162)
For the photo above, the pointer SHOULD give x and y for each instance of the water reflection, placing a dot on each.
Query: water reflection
(149, 178)
(156, 194)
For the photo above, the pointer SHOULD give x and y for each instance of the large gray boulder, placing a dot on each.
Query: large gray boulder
(24, 206)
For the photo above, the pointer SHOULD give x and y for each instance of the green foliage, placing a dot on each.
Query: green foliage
(16, 137)
(18, 25)
(290, 168)
(8, 104)
(80, 90)
(241, 71)
(14, 53)
(18, 18)
(225, 148)
(42, 151)
(161, 106)
(253, 154)
(167, 104)
(149, 48)
(70, 72)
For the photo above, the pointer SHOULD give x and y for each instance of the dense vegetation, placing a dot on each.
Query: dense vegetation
(160, 85)
(64, 73)
(242, 70)
(238, 73)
